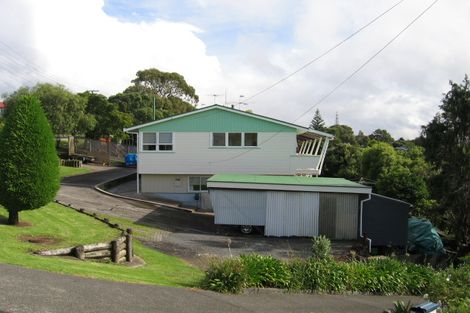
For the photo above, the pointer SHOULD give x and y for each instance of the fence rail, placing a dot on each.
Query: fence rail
(102, 151)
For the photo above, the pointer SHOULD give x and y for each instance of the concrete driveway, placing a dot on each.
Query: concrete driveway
(191, 236)
(31, 291)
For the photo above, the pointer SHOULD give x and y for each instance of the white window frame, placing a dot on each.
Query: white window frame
(211, 140)
(196, 176)
(157, 143)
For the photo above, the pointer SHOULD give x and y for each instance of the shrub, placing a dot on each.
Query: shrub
(321, 247)
(462, 307)
(452, 286)
(226, 276)
(265, 271)
(325, 275)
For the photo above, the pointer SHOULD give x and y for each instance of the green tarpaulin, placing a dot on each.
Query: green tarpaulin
(423, 237)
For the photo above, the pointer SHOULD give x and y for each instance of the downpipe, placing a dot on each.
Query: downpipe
(369, 241)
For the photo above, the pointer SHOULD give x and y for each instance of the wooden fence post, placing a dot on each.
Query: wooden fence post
(129, 248)
(114, 251)
(79, 252)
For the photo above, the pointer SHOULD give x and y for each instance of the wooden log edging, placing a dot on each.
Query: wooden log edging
(94, 215)
(118, 251)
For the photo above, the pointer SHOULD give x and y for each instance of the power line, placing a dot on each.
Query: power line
(340, 84)
(358, 69)
(325, 52)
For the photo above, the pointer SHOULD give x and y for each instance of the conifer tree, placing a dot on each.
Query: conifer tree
(317, 122)
(29, 178)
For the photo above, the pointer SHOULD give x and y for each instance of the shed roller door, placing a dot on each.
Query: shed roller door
(292, 213)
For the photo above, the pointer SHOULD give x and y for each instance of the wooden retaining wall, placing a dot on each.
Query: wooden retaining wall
(116, 251)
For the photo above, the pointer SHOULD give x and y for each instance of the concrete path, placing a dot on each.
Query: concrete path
(32, 291)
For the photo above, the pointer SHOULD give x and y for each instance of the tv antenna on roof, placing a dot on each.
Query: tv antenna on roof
(215, 97)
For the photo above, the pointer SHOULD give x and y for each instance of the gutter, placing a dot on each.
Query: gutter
(369, 241)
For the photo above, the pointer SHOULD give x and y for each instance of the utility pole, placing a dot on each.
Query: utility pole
(154, 99)
(337, 119)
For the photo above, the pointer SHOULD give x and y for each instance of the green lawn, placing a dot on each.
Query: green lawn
(73, 228)
(71, 171)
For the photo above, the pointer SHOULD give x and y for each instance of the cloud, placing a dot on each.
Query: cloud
(84, 48)
(240, 48)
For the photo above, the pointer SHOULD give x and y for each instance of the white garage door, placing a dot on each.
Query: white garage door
(292, 213)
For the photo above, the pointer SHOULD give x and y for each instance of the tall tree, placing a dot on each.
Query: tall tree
(317, 122)
(381, 135)
(447, 142)
(109, 120)
(64, 110)
(166, 85)
(343, 158)
(29, 178)
(362, 139)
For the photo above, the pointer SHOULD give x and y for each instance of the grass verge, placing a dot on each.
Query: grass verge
(65, 171)
(71, 228)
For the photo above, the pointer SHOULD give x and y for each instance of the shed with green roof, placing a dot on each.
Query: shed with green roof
(289, 205)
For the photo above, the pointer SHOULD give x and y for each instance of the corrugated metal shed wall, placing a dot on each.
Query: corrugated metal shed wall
(327, 215)
(339, 215)
(292, 213)
(239, 207)
(346, 216)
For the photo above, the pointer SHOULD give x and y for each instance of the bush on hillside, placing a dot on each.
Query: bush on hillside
(321, 247)
(265, 271)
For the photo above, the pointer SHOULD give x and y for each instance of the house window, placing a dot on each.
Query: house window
(149, 141)
(157, 141)
(165, 141)
(198, 183)
(218, 139)
(251, 139)
(234, 139)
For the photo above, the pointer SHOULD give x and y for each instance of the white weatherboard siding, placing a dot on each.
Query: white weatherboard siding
(164, 183)
(239, 207)
(192, 154)
(292, 213)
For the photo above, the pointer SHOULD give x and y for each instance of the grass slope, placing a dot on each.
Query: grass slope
(72, 171)
(73, 228)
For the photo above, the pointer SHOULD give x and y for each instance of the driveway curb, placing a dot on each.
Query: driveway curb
(100, 188)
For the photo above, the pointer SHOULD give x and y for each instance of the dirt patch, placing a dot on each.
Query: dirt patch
(24, 224)
(44, 240)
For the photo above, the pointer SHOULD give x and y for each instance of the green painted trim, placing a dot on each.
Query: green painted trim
(285, 180)
(217, 120)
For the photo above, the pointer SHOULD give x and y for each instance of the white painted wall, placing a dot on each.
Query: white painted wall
(164, 183)
(192, 154)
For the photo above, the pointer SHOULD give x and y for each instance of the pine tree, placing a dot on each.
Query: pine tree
(29, 178)
(317, 122)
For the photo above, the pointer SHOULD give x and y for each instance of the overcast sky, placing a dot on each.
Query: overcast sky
(235, 48)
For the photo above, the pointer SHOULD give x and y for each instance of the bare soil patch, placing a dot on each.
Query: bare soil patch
(45, 240)
(24, 224)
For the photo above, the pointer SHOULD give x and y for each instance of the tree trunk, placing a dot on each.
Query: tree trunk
(13, 218)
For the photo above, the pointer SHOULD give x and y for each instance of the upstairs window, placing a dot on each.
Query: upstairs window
(165, 141)
(251, 139)
(234, 139)
(157, 141)
(149, 141)
(218, 139)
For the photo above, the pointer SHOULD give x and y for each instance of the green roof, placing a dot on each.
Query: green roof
(284, 180)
